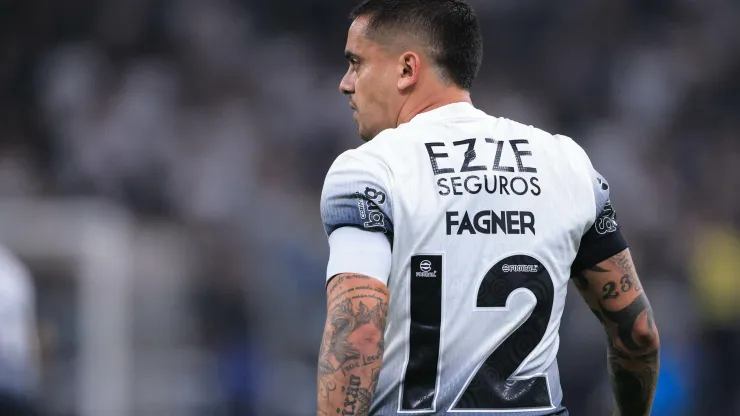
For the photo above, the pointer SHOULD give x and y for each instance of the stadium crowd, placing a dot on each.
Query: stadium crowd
(224, 116)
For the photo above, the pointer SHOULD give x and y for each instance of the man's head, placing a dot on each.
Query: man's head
(406, 54)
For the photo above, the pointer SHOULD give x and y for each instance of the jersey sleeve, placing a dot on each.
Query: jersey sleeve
(357, 196)
(604, 239)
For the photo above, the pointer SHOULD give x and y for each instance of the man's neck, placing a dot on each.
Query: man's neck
(441, 99)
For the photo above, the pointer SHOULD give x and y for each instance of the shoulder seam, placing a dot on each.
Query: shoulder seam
(586, 168)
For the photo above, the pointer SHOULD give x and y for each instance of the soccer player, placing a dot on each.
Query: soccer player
(453, 235)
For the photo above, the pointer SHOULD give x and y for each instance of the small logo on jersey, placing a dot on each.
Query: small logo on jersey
(368, 206)
(375, 195)
(426, 266)
(604, 185)
(607, 221)
(520, 268)
(361, 205)
(430, 273)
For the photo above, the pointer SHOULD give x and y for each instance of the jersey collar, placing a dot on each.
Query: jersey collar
(449, 111)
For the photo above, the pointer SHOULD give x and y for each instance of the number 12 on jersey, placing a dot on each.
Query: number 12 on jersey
(492, 387)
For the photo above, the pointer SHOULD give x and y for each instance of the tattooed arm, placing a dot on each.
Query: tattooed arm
(613, 292)
(353, 345)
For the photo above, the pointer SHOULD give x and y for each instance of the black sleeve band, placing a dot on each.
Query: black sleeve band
(604, 239)
(596, 247)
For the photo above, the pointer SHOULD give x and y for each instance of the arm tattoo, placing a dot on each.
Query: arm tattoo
(357, 399)
(352, 346)
(633, 383)
(627, 318)
(580, 279)
(633, 346)
(633, 365)
(624, 261)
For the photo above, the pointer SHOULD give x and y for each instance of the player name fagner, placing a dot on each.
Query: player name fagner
(490, 222)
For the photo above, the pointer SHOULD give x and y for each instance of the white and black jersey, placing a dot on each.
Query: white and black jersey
(475, 223)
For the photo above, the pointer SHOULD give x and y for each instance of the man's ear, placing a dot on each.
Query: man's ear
(409, 65)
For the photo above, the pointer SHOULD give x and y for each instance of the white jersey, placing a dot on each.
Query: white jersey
(17, 334)
(485, 218)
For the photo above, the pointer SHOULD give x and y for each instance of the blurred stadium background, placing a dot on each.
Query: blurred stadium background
(161, 163)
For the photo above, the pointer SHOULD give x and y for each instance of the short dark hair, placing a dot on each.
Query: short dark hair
(449, 28)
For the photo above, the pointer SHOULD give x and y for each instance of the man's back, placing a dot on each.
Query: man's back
(452, 236)
(486, 217)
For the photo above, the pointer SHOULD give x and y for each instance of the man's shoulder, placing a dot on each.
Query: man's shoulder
(538, 136)
(379, 150)
(367, 160)
(364, 156)
(534, 131)
(393, 137)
